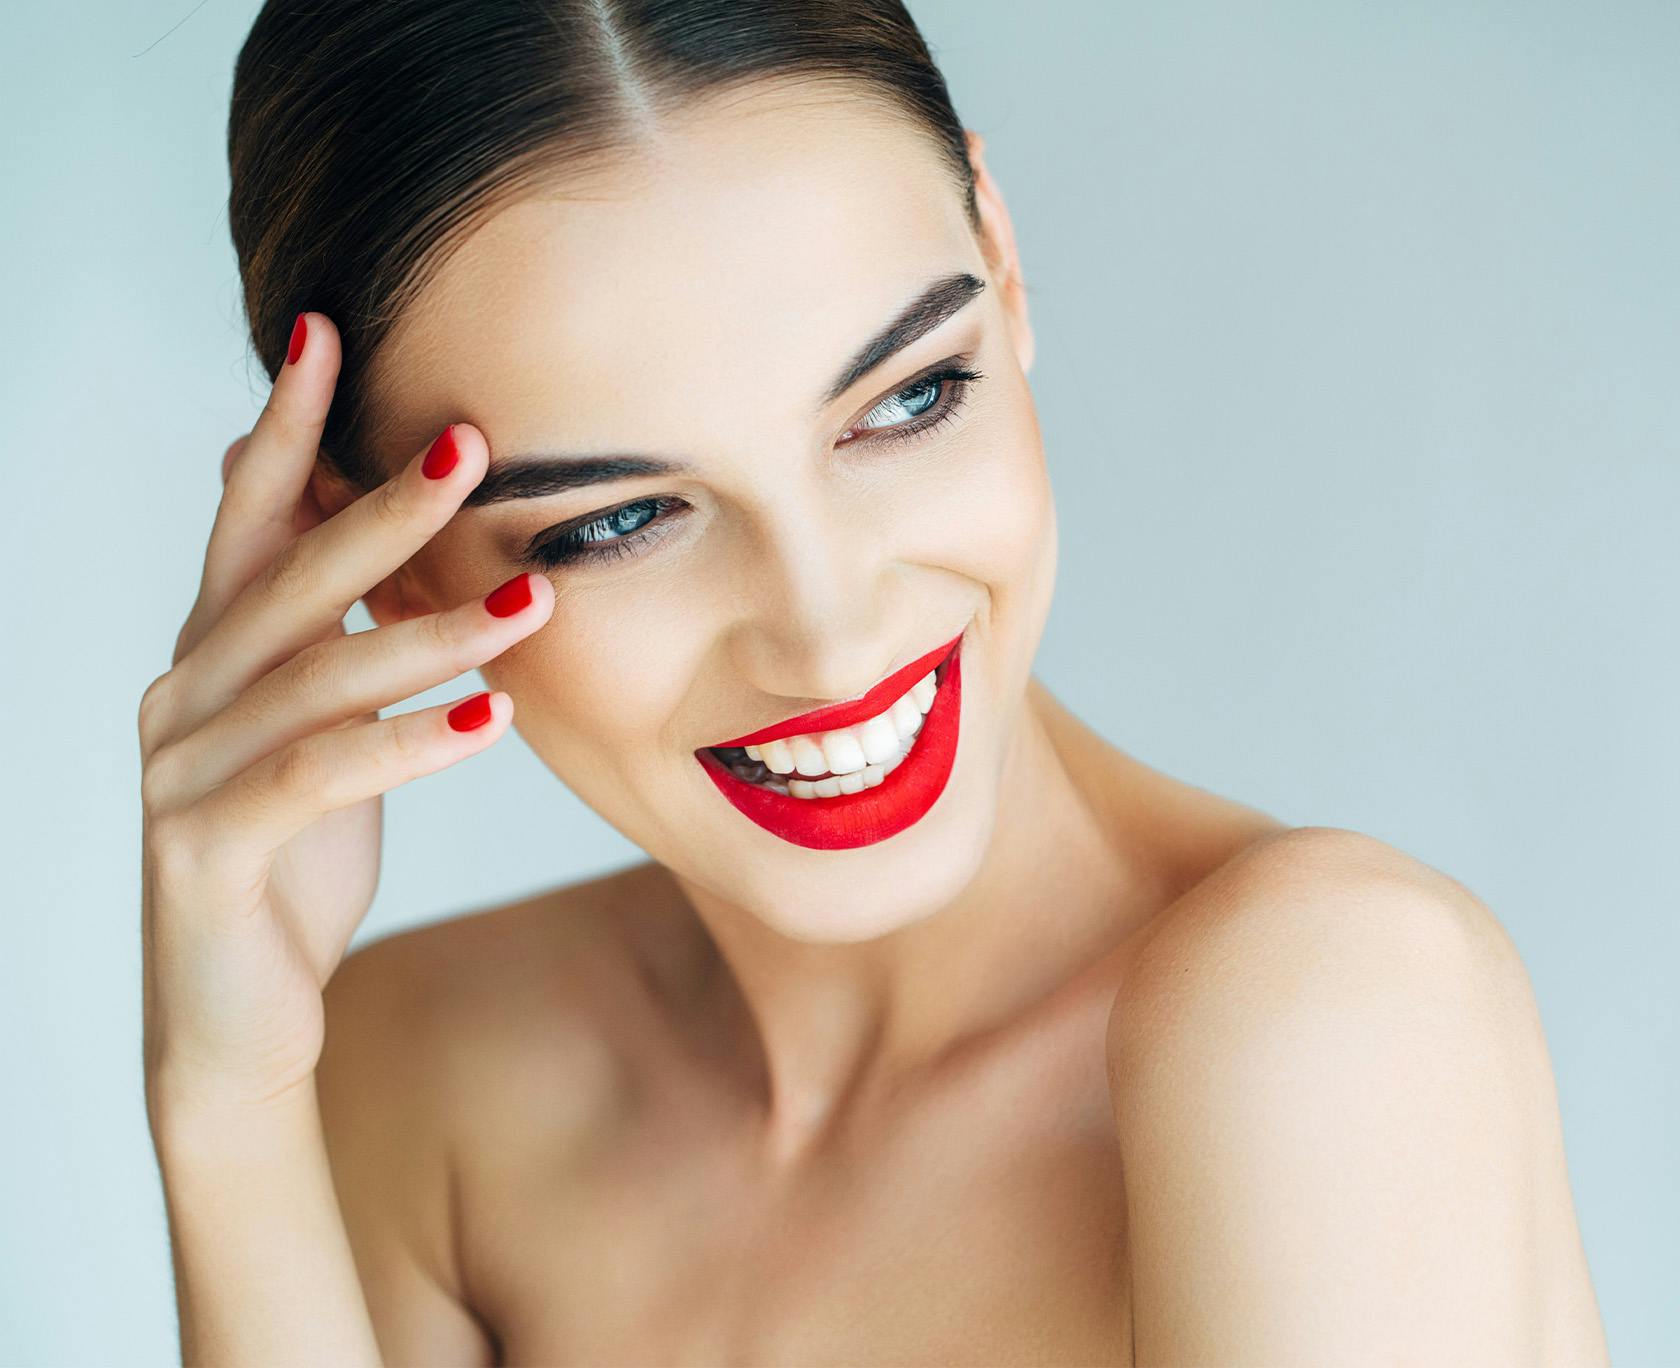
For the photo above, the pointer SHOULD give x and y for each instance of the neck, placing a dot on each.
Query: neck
(834, 1021)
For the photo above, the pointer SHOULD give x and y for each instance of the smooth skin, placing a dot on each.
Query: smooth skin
(264, 762)
(1088, 1066)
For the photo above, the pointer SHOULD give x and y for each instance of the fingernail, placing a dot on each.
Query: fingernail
(441, 455)
(471, 713)
(507, 599)
(300, 331)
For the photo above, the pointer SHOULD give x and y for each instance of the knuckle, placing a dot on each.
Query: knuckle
(170, 847)
(408, 741)
(442, 636)
(156, 707)
(298, 770)
(243, 502)
(160, 779)
(185, 639)
(314, 670)
(389, 504)
(288, 577)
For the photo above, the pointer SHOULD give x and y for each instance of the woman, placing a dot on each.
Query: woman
(668, 363)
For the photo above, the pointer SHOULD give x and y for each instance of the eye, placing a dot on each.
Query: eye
(620, 531)
(920, 406)
(911, 412)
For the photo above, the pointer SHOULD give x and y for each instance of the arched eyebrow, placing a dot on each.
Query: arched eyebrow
(537, 474)
(921, 315)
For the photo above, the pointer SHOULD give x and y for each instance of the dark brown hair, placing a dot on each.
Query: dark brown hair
(366, 137)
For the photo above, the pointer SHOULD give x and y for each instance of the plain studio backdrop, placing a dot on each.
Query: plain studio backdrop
(1358, 350)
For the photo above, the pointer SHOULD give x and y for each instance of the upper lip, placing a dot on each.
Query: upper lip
(878, 699)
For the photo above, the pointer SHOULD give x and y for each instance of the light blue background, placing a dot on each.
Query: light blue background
(1358, 361)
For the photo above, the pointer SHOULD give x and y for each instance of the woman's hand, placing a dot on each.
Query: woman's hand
(263, 754)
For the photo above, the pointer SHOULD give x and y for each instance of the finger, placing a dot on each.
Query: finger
(262, 808)
(338, 680)
(232, 454)
(308, 587)
(207, 604)
(267, 477)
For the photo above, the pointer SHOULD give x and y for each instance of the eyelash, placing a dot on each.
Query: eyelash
(584, 543)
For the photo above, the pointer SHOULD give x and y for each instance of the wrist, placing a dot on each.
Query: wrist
(199, 1122)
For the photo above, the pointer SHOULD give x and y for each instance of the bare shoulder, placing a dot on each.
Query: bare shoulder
(432, 1033)
(1338, 1121)
(1310, 932)
(1324, 905)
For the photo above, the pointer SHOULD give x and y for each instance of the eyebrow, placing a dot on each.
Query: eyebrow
(535, 475)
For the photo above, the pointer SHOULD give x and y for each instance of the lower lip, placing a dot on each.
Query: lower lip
(860, 819)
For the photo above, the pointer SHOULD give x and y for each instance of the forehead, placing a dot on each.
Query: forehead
(756, 242)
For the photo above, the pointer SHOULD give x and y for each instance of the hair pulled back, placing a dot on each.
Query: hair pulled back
(366, 137)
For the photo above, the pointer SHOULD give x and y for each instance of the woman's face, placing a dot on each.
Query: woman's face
(696, 308)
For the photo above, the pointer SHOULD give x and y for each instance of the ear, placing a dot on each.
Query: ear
(998, 245)
(391, 600)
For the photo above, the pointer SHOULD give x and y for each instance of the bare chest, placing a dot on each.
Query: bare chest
(990, 1234)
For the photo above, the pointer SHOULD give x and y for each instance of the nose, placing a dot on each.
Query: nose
(828, 611)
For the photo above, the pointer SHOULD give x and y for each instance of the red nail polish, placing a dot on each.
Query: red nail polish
(300, 330)
(507, 599)
(471, 713)
(441, 455)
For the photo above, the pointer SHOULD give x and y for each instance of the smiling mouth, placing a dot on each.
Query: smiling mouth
(847, 747)
(849, 759)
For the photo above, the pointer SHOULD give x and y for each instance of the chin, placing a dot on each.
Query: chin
(840, 897)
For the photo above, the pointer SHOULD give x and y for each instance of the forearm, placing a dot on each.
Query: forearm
(263, 1268)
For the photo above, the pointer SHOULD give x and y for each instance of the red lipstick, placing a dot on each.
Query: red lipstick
(858, 819)
(844, 714)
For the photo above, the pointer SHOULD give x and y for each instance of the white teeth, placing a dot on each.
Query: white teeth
(855, 757)
(906, 716)
(842, 751)
(807, 755)
(868, 777)
(820, 789)
(878, 738)
(921, 693)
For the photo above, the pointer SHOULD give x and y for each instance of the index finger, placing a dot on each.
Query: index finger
(266, 478)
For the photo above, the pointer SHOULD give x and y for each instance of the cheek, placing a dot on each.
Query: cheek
(598, 682)
(990, 516)
(995, 526)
